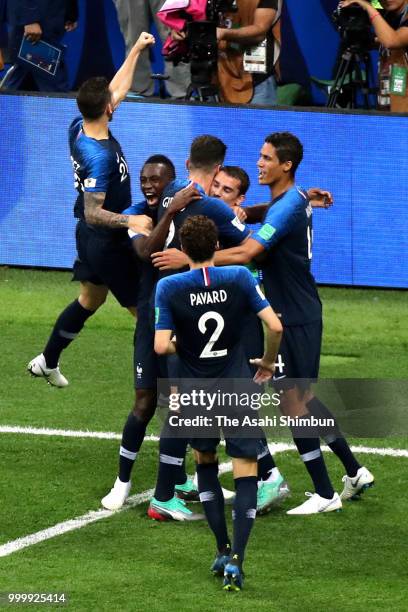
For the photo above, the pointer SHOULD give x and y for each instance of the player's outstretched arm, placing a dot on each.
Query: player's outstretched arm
(163, 344)
(241, 254)
(266, 365)
(256, 213)
(319, 198)
(122, 81)
(95, 214)
(170, 259)
(155, 242)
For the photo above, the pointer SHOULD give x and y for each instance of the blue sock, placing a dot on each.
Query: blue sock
(244, 513)
(132, 439)
(334, 438)
(311, 455)
(265, 462)
(66, 328)
(212, 498)
(171, 467)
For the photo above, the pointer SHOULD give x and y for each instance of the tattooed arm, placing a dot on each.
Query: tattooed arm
(95, 214)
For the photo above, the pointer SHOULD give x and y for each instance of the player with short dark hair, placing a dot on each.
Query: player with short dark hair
(105, 258)
(93, 97)
(230, 229)
(286, 238)
(227, 295)
(157, 172)
(206, 151)
(227, 187)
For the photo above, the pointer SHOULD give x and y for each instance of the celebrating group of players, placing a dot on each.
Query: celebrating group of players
(205, 323)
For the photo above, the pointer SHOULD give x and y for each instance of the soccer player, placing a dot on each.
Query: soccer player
(157, 172)
(286, 239)
(202, 308)
(206, 156)
(105, 258)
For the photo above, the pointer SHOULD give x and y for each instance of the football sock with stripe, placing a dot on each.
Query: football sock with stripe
(171, 467)
(334, 438)
(212, 499)
(132, 439)
(311, 455)
(266, 462)
(66, 328)
(244, 513)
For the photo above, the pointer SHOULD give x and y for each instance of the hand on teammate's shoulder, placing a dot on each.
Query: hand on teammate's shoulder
(184, 197)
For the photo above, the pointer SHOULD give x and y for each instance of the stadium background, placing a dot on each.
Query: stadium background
(360, 157)
(310, 43)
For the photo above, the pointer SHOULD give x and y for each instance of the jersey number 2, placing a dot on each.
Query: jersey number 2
(202, 326)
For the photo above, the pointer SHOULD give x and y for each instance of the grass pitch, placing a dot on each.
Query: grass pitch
(348, 561)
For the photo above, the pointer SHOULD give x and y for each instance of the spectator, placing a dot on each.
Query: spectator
(249, 50)
(46, 20)
(391, 31)
(3, 35)
(135, 17)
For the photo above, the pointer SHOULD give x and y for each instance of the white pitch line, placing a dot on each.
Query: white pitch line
(81, 521)
(66, 433)
(281, 447)
(70, 525)
(275, 447)
(97, 515)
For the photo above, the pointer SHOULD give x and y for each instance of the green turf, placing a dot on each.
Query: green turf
(348, 561)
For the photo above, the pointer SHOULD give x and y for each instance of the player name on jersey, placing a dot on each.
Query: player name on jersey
(210, 297)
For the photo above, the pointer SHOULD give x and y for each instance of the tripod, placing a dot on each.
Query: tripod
(203, 93)
(352, 75)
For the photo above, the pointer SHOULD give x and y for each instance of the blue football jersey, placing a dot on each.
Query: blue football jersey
(99, 166)
(207, 309)
(286, 234)
(149, 274)
(230, 229)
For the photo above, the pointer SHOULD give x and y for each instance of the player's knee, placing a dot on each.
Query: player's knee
(92, 298)
(205, 458)
(145, 404)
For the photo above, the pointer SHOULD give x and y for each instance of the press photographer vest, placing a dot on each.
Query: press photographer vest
(235, 84)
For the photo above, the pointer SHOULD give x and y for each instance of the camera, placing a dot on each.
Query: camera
(216, 10)
(354, 26)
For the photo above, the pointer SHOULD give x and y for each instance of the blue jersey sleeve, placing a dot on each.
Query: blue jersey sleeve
(75, 127)
(140, 208)
(281, 218)
(256, 298)
(230, 229)
(98, 170)
(163, 316)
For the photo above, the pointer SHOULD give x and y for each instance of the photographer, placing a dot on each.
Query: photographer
(248, 52)
(391, 31)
